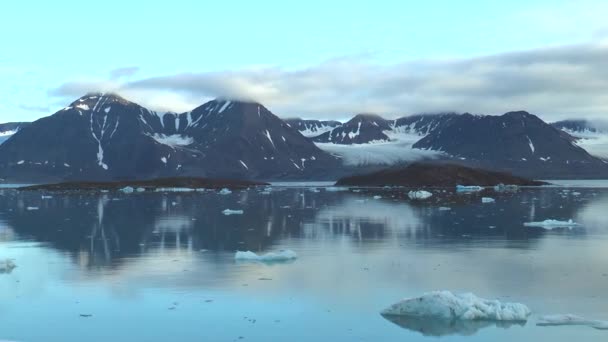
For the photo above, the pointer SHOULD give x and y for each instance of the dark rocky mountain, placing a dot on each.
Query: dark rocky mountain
(312, 128)
(423, 124)
(517, 142)
(8, 129)
(362, 129)
(104, 137)
(435, 175)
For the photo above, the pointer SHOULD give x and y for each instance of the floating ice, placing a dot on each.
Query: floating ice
(282, 255)
(46, 197)
(503, 188)
(569, 319)
(175, 190)
(377, 197)
(419, 194)
(140, 189)
(7, 266)
(127, 190)
(467, 306)
(487, 200)
(445, 208)
(551, 224)
(336, 189)
(32, 208)
(468, 188)
(225, 191)
(232, 212)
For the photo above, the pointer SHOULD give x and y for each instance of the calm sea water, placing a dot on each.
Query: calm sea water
(160, 267)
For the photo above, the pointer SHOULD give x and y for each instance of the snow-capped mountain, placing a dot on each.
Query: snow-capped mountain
(312, 128)
(590, 135)
(105, 137)
(362, 129)
(8, 129)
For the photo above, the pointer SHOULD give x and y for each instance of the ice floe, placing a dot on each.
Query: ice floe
(468, 188)
(225, 191)
(232, 212)
(569, 319)
(7, 266)
(282, 255)
(467, 306)
(487, 200)
(419, 195)
(127, 190)
(552, 224)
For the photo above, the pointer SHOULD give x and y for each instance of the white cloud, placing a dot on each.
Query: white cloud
(555, 83)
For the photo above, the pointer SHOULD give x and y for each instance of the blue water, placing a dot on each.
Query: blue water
(158, 267)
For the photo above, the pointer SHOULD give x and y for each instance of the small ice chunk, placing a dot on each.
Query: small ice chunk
(487, 200)
(445, 208)
(232, 212)
(377, 197)
(46, 197)
(551, 224)
(282, 255)
(32, 208)
(225, 191)
(7, 266)
(140, 189)
(419, 195)
(127, 190)
(20, 162)
(335, 189)
(468, 188)
(569, 319)
(467, 306)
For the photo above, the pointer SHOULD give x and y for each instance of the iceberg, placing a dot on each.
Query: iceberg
(468, 188)
(232, 212)
(32, 208)
(140, 190)
(225, 191)
(448, 306)
(377, 197)
(487, 200)
(506, 188)
(552, 224)
(127, 190)
(7, 266)
(335, 189)
(569, 319)
(280, 256)
(419, 195)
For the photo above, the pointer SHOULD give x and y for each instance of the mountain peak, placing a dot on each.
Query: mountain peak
(94, 100)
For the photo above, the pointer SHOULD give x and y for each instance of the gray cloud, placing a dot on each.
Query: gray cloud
(123, 72)
(555, 83)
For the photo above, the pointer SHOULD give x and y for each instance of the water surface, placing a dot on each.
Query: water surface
(160, 266)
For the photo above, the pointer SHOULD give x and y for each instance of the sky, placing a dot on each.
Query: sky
(313, 59)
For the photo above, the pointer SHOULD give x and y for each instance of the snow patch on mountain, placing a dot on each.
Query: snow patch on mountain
(594, 142)
(173, 140)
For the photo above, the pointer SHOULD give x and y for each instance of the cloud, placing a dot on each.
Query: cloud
(555, 82)
(123, 72)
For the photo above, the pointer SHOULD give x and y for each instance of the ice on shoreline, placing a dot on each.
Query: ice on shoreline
(552, 224)
(282, 255)
(419, 194)
(569, 319)
(467, 306)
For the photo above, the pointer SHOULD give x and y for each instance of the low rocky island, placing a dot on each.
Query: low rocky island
(153, 184)
(435, 175)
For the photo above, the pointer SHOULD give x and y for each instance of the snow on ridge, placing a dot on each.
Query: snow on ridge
(173, 140)
(532, 148)
(8, 133)
(224, 106)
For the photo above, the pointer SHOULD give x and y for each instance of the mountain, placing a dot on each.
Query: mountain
(8, 129)
(517, 142)
(422, 124)
(362, 129)
(103, 137)
(312, 128)
(590, 135)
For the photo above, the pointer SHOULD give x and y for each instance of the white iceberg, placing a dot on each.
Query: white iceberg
(282, 255)
(232, 212)
(449, 306)
(468, 188)
(552, 224)
(569, 319)
(487, 200)
(7, 266)
(419, 194)
(225, 191)
(127, 190)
